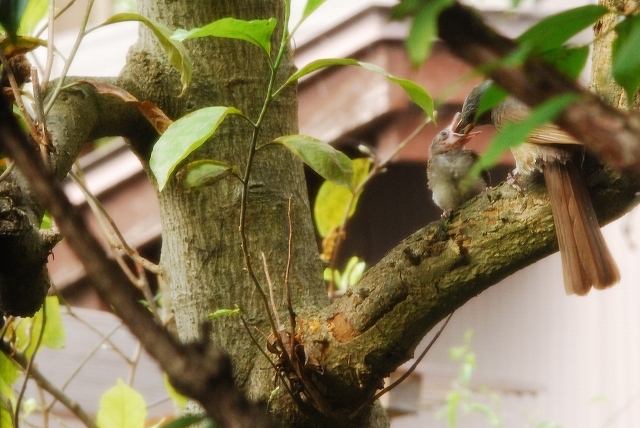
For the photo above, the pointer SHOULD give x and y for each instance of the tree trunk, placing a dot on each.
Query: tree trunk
(201, 252)
(602, 81)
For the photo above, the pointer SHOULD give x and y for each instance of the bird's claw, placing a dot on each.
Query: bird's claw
(512, 179)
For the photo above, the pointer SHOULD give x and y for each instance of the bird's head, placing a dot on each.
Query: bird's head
(468, 119)
(448, 139)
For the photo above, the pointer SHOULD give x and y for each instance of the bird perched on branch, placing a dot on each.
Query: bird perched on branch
(586, 261)
(449, 166)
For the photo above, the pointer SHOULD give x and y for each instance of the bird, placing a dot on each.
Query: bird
(586, 260)
(448, 168)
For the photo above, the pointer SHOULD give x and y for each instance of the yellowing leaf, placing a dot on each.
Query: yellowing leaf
(121, 407)
(179, 399)
(332, 200)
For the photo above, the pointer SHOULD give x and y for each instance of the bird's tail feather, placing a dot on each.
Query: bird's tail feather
(586, 260)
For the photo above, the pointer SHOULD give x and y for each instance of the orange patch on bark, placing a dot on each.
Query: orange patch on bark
(342, 329)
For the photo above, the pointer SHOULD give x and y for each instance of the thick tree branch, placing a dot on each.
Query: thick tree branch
(610, 134)
(24, 250)
(198, 370)
(377, 325)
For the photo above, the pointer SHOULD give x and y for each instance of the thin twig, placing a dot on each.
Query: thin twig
(121, 243)
(5, 327)
(273, 302)
(50, 44)
(38, 106)
(78, 318)
(405, 374)
(137, 353)
(30, 365)
(263, 352)
(104, 339)
(63, 10)
(7, 406)
(20, 359)
(377, 168)
(69, 60)
(17, 95)
(109, 230)
(7, 171)
(287, 286)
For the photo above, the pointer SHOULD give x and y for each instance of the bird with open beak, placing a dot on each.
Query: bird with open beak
(449, 166)
(586, 261)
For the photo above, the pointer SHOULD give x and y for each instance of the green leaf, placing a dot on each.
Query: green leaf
(569, 61)
(5, 417)
(8, 375)
(330, 163)
(179, 399)
(625, 58)
(28, 330)
(178, 56)
(121, 407)
(204, 173)
(417, 94)
(554, 31)
(453, 403)
(515, 133)
(352, 272)
(404, 8)
(332, 200)
(224, 313)
(257, 32)
(190, 420)
(185, 421)
(548, 425)
(182, 137)
(46, 221)
(493, 96)
(54, 333)
(310, 7)
(34, 13)
(424, 30)
(11, 12)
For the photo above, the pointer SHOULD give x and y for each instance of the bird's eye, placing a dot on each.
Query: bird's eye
(443, 133)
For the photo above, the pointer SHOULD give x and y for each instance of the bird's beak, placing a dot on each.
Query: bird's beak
(464, 137)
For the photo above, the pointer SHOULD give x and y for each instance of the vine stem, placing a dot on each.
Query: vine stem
(245, 180)
(29, 366)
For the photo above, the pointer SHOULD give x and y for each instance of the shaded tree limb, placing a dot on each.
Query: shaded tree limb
(24, 248)
(198, 370)
(376, 326)
(610, 134)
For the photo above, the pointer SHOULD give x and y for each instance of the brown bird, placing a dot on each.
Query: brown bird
(448, 167)
(586, 261)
